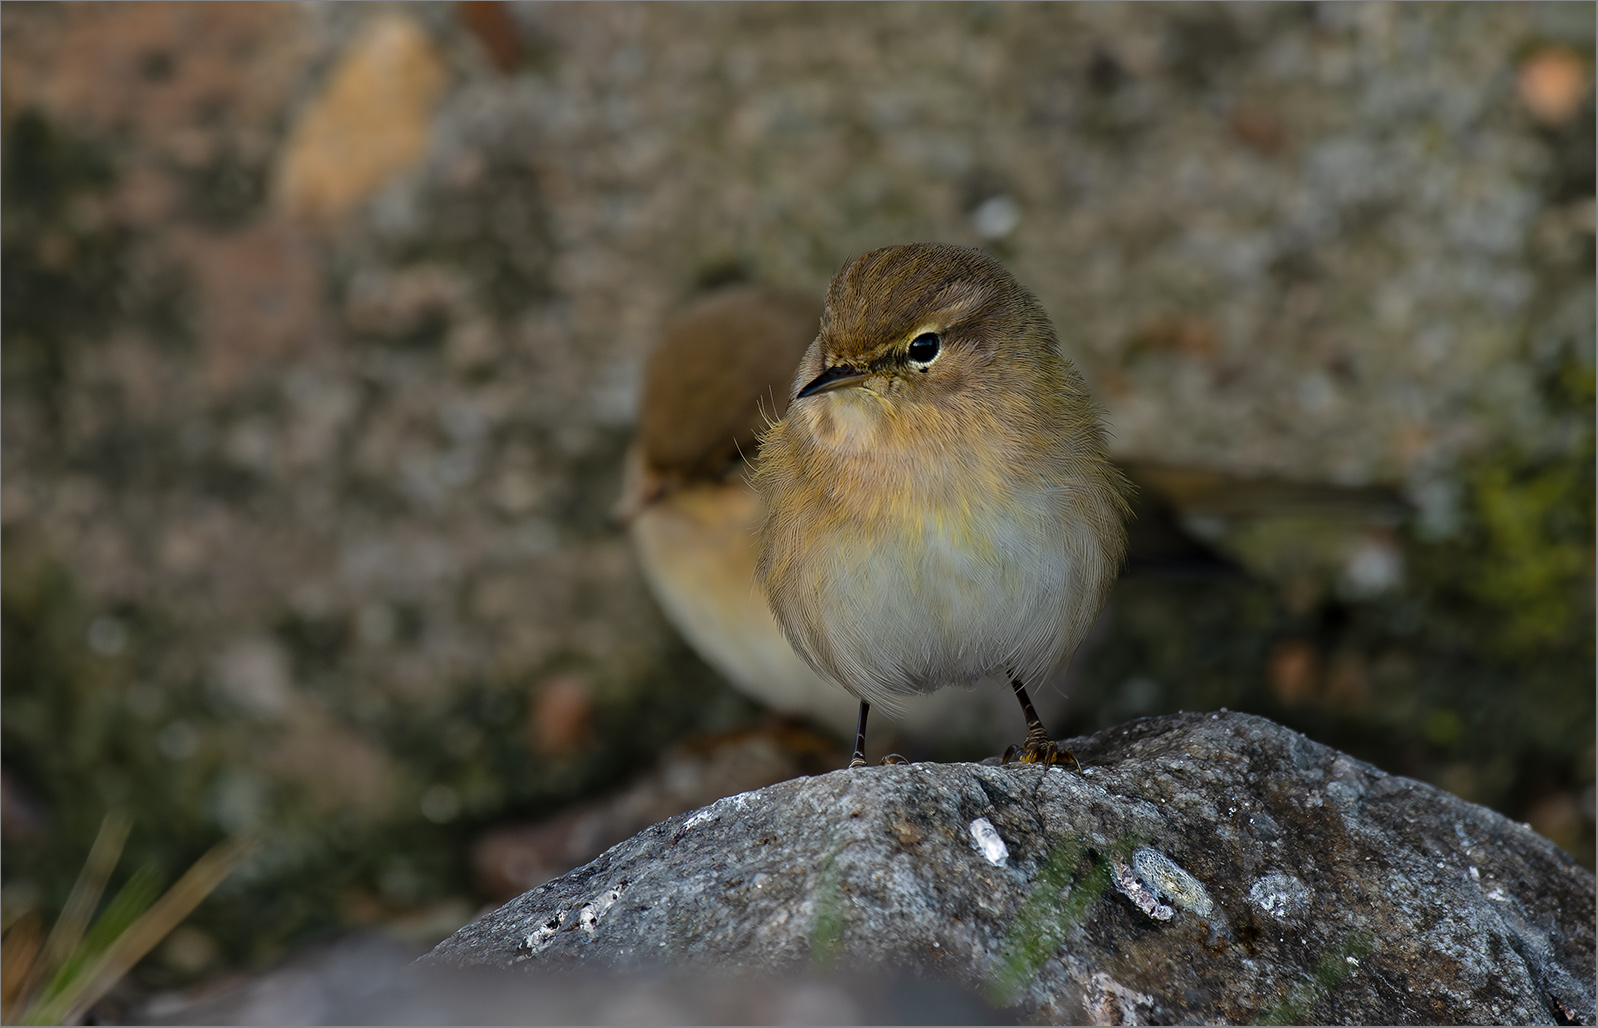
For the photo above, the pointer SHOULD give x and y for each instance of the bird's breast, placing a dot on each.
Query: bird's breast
(893, 589)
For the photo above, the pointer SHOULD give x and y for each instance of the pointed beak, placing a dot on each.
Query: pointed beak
(838, 376)
(641, 487)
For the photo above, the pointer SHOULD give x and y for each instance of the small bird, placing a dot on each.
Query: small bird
(937, 505)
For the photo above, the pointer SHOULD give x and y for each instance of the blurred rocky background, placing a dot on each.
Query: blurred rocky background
(322, 330)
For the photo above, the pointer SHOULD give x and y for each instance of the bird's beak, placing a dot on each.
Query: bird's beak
(641, 487)
(838, 376)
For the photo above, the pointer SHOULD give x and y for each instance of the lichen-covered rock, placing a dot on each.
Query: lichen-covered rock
(1212, 867)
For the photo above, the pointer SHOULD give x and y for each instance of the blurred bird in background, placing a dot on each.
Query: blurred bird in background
(720, 369)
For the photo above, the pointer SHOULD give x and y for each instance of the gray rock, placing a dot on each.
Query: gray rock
(1203, 867)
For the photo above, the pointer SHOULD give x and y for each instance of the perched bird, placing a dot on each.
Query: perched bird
(937, 505)
(720, 375)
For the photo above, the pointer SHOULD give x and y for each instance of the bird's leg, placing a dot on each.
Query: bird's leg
(859, 758)
(1038, 747)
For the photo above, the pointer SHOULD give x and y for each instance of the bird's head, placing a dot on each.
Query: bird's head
(714, 381)
(917, 332)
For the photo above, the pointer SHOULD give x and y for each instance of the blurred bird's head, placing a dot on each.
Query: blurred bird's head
(718, 376)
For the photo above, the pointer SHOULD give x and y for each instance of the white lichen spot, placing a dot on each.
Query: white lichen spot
(589, 914)
(1475, 874)
(1107, 1001)
(1279, 894)
(1127, 884)
(701, 817)
(986, 838)
(544, 934)
(727, 804)
(1166, 879)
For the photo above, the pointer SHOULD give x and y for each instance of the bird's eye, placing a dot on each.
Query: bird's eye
(924, 347)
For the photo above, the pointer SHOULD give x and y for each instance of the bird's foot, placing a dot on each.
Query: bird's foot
(1040, 749)
(892, 758)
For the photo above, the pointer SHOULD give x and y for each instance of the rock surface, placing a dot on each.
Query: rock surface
(1204, 867)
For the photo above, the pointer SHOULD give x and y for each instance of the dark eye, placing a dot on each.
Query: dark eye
(924, 347)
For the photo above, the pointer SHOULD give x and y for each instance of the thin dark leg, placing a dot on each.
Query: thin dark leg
(1034, 724)
(1038, 747)
(859, 759)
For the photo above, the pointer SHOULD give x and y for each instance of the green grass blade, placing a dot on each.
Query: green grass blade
(143, 935)
(125, 907)
(68, 930)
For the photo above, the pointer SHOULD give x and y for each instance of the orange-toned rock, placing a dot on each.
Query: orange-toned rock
(370, 122)
(562, 716)
(156, 71)
(1551, 83)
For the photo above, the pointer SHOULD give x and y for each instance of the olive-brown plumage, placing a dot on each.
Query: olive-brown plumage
(937, 504)
(707, 386)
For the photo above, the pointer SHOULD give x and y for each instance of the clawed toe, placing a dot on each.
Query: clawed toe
(1038, 747)
(892, 758)
(1041, 751)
